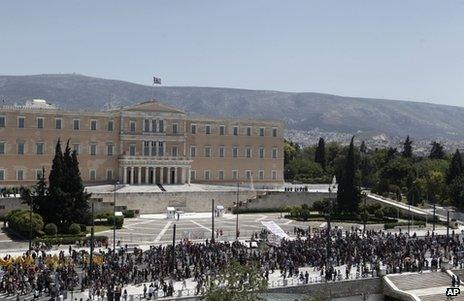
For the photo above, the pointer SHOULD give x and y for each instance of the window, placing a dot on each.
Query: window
(58, 124)
(174, 151)
(261, 174)
(2, 148)
(38, 174)
(234, 175)
(93, 149)
(160, 148)
(2, 175)
(21, 121)
(76, 148)
(93, 125)
(193, 151)
(248, 152)
(110, 149)
(161, 126)
(132, 126)
(2, 121)
(235, 130)
(261, 131)
(193, 175)
(175, 128)
(93, 175)
(274, 153)
(249, 131)
(20, 175)
(20, 148)
(235, 152)
(221, 175)
(207, 129)
(76, 124)
(193, 128)
(207, 175)
(222, 130)
(153, 126)
(146, 148)
(274, 175)
(222, 151)
(40, 122)
(109, 175)
(207, 151)
(110, 126)
(248, 174)
(261, 152)
(132, 150)
(39, 147)
(146, 125)
(274, 132)
(153, 148)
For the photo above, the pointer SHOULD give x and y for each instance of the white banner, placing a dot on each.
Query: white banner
(275, 229)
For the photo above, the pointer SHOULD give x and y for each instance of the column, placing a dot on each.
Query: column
(132, 175)
(175, 176)
(139, 175)
(124, 176)
(182, 176)
(169, 175)
(188, 175)
(147, 175)
(161, 175)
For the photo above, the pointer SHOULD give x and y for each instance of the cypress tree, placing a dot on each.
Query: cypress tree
(363, 148)
(80, 198)
(437, 151)
(407, 148)
(455, 168)
(56, 196)
(40, 198)
(320, 153)
(348, 195)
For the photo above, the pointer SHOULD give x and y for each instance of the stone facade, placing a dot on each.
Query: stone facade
(146, 143)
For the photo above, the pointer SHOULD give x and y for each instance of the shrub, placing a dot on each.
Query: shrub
(51, 229)
(19, 221)
(128, 213)
(74, 229)
(119, 221)
(379, 213)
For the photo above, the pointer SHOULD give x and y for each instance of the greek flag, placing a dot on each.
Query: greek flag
(156, 80)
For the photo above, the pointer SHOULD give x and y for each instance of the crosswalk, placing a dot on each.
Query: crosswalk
(27, 297)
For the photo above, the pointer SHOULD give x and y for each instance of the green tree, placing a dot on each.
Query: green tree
(396, 171)
(363, 148)
(55, 203)
(437, 151)
(455, 168)
(348, 194)
(79, 197)
(407, 148)
(236, 282)
(320, 153)
(456, 192)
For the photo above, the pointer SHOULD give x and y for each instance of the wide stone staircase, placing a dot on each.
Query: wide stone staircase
(427, 286)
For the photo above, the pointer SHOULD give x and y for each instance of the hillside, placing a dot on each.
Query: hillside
(300, 111)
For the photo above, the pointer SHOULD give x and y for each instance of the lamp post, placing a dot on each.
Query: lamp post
(92, 233)
(212, 220)
(236, 213)
(114, 216)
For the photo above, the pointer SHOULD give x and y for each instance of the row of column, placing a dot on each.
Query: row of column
(155, 175)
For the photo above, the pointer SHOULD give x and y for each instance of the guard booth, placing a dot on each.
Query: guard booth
(219, 210)
(171, 213)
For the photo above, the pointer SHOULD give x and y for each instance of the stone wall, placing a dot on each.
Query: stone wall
(157, 202)
(8, 204)
(277, 199)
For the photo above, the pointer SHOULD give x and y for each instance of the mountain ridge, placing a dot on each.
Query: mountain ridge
(299, 110)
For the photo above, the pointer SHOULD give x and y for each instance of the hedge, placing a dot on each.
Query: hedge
(119, 221)
(74, 229)
(68, 239)
(18, 220)
(50, 229)
(256, 210)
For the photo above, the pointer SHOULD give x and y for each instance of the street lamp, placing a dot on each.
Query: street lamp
(114, 216)
(236, 212)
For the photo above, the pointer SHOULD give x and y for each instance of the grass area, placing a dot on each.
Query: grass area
(99, 228)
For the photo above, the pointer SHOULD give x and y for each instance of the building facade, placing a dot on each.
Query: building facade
(146, 143)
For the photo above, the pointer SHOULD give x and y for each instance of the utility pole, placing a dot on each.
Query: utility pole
(447, 224)
(328, 240)
(212, 220)
(173, 262)
(92, 231)
(114, 216)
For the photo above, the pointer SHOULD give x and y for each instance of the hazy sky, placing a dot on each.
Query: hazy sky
(387, 49)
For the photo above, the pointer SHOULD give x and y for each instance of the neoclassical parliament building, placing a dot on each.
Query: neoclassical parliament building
(145, 143)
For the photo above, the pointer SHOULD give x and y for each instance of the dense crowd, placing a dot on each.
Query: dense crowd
(363, 254)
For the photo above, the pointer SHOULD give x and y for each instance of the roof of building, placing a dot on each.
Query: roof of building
(153, 106)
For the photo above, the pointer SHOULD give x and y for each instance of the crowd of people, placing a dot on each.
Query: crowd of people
(157, 268)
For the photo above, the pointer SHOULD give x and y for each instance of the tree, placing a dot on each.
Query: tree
(456, 192)
(80, 198)
(455, 168)
(348, 195)
(320, 153)
(363, 148)
(236, 282)
(437, 151)
(407, 148)
(55, 204)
